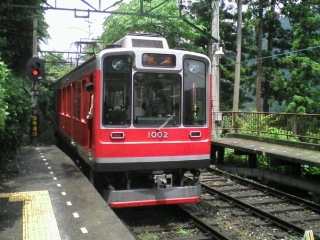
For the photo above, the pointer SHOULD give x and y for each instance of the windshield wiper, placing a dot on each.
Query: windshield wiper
(166, 122)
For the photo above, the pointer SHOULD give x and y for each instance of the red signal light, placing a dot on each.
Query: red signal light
(35, 72)
(35, 69)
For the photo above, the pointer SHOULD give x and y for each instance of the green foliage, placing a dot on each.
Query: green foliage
(294, 127)
(56, 67)
(183, 231)
(238, 160)
(301, 93)
(177, 32)
(301, 70)
(309, 171)
(18, 100)
(16, 33)
(16, 37)
(148, 236)
(4, 73)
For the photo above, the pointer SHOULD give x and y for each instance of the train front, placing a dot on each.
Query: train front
(154, 127)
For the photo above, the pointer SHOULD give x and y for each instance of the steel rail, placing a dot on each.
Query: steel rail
(205, 227)
(286, 225)
(300, 201)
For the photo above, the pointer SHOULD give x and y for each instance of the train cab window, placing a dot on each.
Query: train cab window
(194, 97)
(116, 90)
(157, 98)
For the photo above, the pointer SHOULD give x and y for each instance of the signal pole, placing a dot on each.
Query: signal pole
(35, 38)
(35, 72)
(35, 117)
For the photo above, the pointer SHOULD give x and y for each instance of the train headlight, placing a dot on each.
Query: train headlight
(117, 64)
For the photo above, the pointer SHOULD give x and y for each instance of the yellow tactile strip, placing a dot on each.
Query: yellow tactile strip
(39, 221)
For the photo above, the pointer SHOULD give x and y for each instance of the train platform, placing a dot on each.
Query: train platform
(294, 152)
(43, 195)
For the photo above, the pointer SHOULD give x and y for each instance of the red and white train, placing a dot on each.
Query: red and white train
(149, 120)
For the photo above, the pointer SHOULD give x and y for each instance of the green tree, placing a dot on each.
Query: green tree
(288, 27)
(263, 36)
(56, 67)
(299, 88)
(157, 19)
(16, 31)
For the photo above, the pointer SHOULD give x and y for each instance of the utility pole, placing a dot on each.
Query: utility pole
(236, 89)
(216, 53)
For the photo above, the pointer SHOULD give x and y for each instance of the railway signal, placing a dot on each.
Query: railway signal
(35, 69)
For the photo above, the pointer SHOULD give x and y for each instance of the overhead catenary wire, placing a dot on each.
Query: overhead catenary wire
(273, 56)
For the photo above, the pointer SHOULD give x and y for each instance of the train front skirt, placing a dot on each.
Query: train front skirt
(152, 197)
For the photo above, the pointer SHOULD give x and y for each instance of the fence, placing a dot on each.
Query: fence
(291, 126)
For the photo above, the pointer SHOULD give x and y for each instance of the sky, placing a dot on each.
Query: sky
(65, 29)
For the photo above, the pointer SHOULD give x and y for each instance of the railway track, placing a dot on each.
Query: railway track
(268, 210)
(231, 208)
(168, 222)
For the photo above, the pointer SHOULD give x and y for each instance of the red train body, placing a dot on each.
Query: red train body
(150, 120)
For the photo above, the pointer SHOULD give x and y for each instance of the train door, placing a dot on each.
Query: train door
(80, 124)
(76, 110)
(88, 102)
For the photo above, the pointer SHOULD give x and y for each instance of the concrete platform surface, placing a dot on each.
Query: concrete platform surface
(43, 195)
(297, 153)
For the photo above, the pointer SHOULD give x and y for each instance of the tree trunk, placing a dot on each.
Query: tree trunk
(259, 63)
(268, 75)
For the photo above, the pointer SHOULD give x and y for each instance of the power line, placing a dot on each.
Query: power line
(275, 55)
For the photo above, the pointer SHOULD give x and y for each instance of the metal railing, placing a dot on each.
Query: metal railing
(293, 126)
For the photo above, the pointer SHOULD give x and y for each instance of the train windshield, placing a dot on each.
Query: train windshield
(117, 71)
(157, 99)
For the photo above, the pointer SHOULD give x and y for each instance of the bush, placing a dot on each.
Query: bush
(4, 72)
(15, 113)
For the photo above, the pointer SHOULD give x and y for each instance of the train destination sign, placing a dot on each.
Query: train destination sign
(158, 60)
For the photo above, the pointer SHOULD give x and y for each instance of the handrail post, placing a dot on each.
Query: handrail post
(234, 121)
(294, 124)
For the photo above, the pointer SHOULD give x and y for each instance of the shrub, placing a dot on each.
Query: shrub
(15, 110)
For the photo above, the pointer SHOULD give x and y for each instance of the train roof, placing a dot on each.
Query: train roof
(136, 40)
(142, 40)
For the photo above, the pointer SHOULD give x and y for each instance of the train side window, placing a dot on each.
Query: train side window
(83, 101)
(194, 97)
(117, 71)
(68, 101)
(63, 102)
(77, 100)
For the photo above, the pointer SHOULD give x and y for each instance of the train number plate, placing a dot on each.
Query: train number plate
(158, 134)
